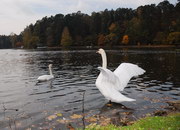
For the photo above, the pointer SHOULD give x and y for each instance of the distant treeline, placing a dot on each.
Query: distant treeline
(149, 24)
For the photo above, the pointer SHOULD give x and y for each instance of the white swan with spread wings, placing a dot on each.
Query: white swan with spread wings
(111, 83)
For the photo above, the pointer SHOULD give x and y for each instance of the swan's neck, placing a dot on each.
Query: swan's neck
(50, 71)
(104, 60)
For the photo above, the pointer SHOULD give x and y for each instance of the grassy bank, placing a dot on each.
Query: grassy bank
(170, 122)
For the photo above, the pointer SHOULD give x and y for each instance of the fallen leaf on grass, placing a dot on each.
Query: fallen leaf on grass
(92, 126)
(63, 121)
(91, 119)
(109, 105)
(70, 127)
(105, 122)
(51, 117)
(146, 98)
(18, 124)
(155, 100)
(58, 114)
(76, 116)
(126, 113)
(130, 122)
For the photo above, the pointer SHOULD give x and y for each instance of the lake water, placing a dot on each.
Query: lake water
(25, 104)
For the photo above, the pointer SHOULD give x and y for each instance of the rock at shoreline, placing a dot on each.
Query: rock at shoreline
(175, 105)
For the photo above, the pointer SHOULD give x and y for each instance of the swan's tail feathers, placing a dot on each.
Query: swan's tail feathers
(118, 97)
(131, 100)
(123, 100)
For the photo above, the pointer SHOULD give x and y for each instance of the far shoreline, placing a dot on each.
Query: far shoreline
(177, 47)
(116, 47)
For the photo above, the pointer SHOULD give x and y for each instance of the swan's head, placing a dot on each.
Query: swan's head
(50, 65)
(101, 51)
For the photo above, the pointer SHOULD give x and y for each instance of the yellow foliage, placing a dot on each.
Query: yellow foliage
(66, 39)
(174, 37)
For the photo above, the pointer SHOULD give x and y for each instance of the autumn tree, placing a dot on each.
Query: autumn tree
(66, 39)
(110, 39)
(101, 40)
(29, 40)
(112, 28)
(19, 44)
(174, 38)
(33, 42)
(26, 37)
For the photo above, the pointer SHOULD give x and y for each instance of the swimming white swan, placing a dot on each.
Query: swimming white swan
(110, 83)
(46, 77)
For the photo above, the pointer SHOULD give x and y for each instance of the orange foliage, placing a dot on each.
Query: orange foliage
(101, 40)
(112, 27)
(125, 39)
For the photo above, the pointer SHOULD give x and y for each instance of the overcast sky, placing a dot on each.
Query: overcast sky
(15, 15)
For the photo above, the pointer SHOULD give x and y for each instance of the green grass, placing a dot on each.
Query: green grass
(170, 122)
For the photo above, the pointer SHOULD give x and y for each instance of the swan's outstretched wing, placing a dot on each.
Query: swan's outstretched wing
(125, 72)
(107, 83)
(108, 75)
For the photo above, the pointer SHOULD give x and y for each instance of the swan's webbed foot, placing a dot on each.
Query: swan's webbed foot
(109, 104)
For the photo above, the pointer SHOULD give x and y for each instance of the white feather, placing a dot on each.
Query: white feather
(125, 72)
